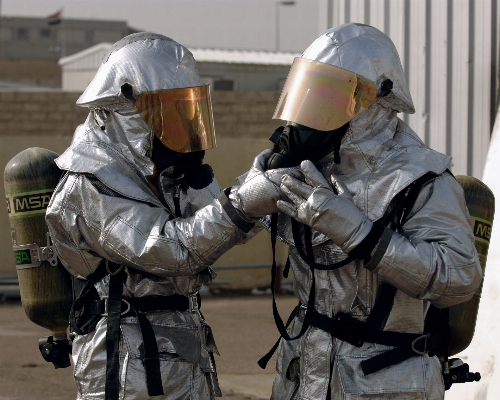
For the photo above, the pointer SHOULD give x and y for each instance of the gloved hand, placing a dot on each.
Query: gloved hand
(315, 204)
(257, 195)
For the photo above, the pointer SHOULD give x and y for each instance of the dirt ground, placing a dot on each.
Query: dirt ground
(243, 327)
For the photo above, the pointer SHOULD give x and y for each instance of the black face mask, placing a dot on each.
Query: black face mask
(295, 143)
(189, 166)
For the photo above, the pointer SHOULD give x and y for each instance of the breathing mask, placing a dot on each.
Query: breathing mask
(187, 167)
(295, 143)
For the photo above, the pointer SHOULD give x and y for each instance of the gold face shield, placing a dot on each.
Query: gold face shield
(181, 118)
(322, 96)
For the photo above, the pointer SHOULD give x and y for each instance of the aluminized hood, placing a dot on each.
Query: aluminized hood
(147, 62)
(368, 52)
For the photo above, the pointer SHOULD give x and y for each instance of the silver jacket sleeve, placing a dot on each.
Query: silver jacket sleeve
(136, 234)
(433, 258)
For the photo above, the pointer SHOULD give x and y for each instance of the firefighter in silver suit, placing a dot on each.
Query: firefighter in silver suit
(138, 219)
(373, 278)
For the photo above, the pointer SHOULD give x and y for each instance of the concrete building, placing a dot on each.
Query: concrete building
(35, 39)
(234, 70)
(31, 47)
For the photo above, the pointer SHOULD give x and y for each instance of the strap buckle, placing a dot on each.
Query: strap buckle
(113, 272)
(193, 302)
(105, 298)
(426, 350)
(302, 311)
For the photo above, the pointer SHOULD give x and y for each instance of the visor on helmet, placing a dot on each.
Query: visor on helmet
(181, 118)
(322, 96)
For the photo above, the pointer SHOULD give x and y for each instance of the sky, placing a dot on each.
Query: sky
(237, 24)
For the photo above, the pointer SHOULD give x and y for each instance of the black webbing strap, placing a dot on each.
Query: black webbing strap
(406, 200)
(149, 349)
(350, 330)
(382, 307)
(264, 360)
(177, 205)
(175, 302)
(150, 356)
(277, 319)
(81, 317)
(423, 344)
(114, 303)
(307, 239)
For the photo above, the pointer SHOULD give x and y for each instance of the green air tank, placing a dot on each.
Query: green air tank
(481, 204)
(46, 292)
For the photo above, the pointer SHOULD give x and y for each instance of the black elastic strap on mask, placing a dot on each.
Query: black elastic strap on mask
(336, 149)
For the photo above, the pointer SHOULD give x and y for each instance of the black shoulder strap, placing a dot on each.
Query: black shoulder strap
(402, 205)
(411, 195)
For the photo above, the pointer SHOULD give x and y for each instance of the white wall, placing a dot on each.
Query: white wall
(76, 81)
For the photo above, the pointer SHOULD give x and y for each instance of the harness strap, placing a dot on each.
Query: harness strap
(130, 305)
(348, 329)
(423, 344)
(382, 307)
(150, 356)
(277, 318)
(116, 280)
(87, 309)
(264, 360)
(343, 326)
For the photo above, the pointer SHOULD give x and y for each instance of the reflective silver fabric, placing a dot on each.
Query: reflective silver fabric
(433, 260)
(130, 60)
(375, 58)
(105, 208)
(257, 193)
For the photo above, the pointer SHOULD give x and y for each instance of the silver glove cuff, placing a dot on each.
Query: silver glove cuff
(234, 214)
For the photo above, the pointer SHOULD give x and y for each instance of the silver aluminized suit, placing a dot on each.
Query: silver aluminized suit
(431, 261)
(104, 207)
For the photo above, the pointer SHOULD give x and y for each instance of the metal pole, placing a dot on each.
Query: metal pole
(329, 11)
(277, 25)
(63, 34)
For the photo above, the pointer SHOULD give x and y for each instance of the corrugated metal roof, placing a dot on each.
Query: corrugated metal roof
(91, 58)
(243, 56)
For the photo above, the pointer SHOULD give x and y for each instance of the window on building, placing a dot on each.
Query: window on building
(45, 33)
(23, 34)
(224, 84)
